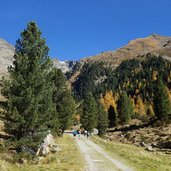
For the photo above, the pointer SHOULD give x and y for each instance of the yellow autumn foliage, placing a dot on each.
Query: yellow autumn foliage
(150, 110)
(139, 106)
(154, 75)
(139, 85)
(136, 91)
(169, 77)
(108, 100)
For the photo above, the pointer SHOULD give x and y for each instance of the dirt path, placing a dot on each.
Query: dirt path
(97, 159)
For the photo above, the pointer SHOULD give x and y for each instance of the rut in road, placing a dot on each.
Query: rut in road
(97, 159)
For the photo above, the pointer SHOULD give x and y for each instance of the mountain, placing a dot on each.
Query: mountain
(154, 43)
(6, 56)
(65, 66)
(7, 53)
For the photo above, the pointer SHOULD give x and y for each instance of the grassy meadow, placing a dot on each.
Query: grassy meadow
(137, 157)
(68, 159)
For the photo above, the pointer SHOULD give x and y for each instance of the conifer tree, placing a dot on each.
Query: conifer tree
(65, 105)
(28, 109)
(102, 120)
(112, 117)
(125, 108)
(162, 105)
(89, 113)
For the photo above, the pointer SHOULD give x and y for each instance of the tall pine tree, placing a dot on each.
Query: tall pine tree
(89, 113)
(112, 116)
(162, 105)
(29, 108)
(65, 105)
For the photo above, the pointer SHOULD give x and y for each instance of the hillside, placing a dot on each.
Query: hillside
(152, 44)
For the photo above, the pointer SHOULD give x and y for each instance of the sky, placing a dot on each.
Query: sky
(80, 28)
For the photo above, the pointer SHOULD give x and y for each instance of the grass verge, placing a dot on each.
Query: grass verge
(137, 157)
(68, 159)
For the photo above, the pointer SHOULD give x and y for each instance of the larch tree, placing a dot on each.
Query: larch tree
(28, 110)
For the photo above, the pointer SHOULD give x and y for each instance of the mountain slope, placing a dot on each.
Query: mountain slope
(152, 44)
(6, 59)
(6, 56)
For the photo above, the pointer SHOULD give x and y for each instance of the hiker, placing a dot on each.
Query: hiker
(74, 133)
(78, 132)
(85, 132)
(88, 134)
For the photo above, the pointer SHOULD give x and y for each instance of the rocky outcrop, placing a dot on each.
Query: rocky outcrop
(6, 59)
(6, 56)
(48, 145)
(149, 137)
(64, 65)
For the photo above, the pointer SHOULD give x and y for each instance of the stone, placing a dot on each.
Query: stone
(48, 145)
(48, 140)
(154, 144)
(149, 148)
(95, 131)
(55, 148)
(26, 149)
(45, 151)
(142, 144)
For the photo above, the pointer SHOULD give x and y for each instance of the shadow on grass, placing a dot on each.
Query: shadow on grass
(133, 127)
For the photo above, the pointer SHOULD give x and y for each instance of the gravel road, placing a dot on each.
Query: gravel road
(97, 159)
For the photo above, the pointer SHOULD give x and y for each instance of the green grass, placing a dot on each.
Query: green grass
(68, 159)
(137, 157)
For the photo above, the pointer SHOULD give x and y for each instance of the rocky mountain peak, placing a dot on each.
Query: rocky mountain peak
(6, 58)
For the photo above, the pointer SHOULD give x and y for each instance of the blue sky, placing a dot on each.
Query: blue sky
(79, 28)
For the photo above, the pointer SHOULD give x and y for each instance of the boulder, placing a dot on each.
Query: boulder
(143, 144)
(45, 151)
(149, 148)
(48, 140)
(95, 131)
(154, 144)
(26, 149)
(48, 145)
(55, 148)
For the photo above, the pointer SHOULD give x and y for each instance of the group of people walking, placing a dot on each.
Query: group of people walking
(77, 133)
